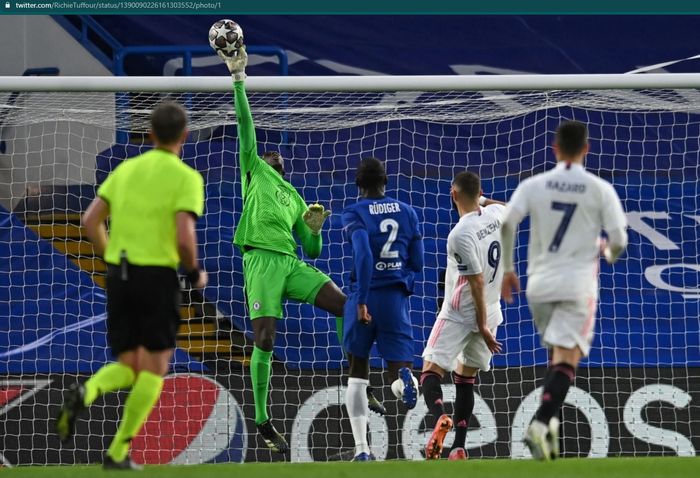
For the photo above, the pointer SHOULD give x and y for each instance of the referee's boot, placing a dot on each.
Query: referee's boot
(73, 404)
(126, 464)
(273, 439)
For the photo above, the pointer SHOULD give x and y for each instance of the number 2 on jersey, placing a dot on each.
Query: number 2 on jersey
(568, 209)
(392, 227)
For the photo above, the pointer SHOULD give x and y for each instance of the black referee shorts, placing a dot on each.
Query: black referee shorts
(144, 309)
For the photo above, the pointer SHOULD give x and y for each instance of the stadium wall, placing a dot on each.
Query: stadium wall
(445, 45)
(37, 41)
(52, 152)
(48, 154)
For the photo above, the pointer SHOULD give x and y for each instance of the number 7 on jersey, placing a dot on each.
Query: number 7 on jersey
(568, 209)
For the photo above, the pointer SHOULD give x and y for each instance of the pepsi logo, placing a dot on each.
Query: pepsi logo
(14, 392)
(9, 393)
(196, 420)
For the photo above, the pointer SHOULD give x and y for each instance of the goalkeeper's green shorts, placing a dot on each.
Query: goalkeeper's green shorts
(271, 277)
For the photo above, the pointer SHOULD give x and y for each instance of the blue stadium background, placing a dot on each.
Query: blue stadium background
(46, 302)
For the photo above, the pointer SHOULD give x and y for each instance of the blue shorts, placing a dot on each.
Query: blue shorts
(391, 326)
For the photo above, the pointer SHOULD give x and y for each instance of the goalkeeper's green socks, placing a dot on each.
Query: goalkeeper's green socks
(138, 406)
(260, 365)
(111, 377)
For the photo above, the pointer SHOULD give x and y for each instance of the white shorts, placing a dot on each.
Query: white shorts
(566, 324)
(451, 342)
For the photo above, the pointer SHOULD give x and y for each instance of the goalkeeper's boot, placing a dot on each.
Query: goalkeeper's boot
(553, 438)
(457, 454)
(373, 404)
(433, 450)
(73, 404)
(273, 439)
(125, 464)
(409, 397)
(364, 457)
(537, 440)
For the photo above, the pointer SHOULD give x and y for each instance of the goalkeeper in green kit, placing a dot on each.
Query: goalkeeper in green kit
(273, 212)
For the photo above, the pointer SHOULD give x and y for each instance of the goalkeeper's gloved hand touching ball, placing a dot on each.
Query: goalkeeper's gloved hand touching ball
(236, 64)
(315, 216)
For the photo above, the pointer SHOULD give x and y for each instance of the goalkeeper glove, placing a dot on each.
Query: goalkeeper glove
(236, 64)
(315, 216)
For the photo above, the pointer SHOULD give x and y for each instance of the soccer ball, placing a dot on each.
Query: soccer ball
(226, 36)
(397, 387)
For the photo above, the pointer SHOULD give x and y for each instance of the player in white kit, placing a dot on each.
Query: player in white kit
(463, 338)
(568, 208)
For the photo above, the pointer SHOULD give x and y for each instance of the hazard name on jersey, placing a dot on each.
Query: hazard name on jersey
(564, 187)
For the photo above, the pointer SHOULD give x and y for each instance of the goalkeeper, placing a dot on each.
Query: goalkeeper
(272, 212)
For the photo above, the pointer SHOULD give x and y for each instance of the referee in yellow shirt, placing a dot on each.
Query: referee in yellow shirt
(153, 201)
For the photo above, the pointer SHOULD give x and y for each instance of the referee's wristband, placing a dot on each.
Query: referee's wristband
(193, 276)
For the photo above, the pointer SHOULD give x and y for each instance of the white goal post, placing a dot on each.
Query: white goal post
(352, 83)
(636, 395)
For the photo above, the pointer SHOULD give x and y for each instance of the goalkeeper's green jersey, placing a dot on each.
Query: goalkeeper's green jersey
(272, 208)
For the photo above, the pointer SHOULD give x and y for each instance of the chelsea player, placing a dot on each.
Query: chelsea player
(387, 252)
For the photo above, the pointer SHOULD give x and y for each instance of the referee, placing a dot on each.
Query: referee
(153, 201)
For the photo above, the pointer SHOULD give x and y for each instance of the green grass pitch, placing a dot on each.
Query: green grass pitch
(579, 468)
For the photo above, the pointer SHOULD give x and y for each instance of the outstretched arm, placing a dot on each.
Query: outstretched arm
(246, 128)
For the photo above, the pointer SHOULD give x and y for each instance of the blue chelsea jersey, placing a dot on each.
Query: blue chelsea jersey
(394, 233)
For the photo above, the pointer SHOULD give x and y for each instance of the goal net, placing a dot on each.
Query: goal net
(637, 394)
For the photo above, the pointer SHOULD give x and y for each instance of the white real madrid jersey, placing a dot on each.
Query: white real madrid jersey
(474, 247)
(568, 208)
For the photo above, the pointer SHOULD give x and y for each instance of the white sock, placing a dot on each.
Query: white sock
(356, 404)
